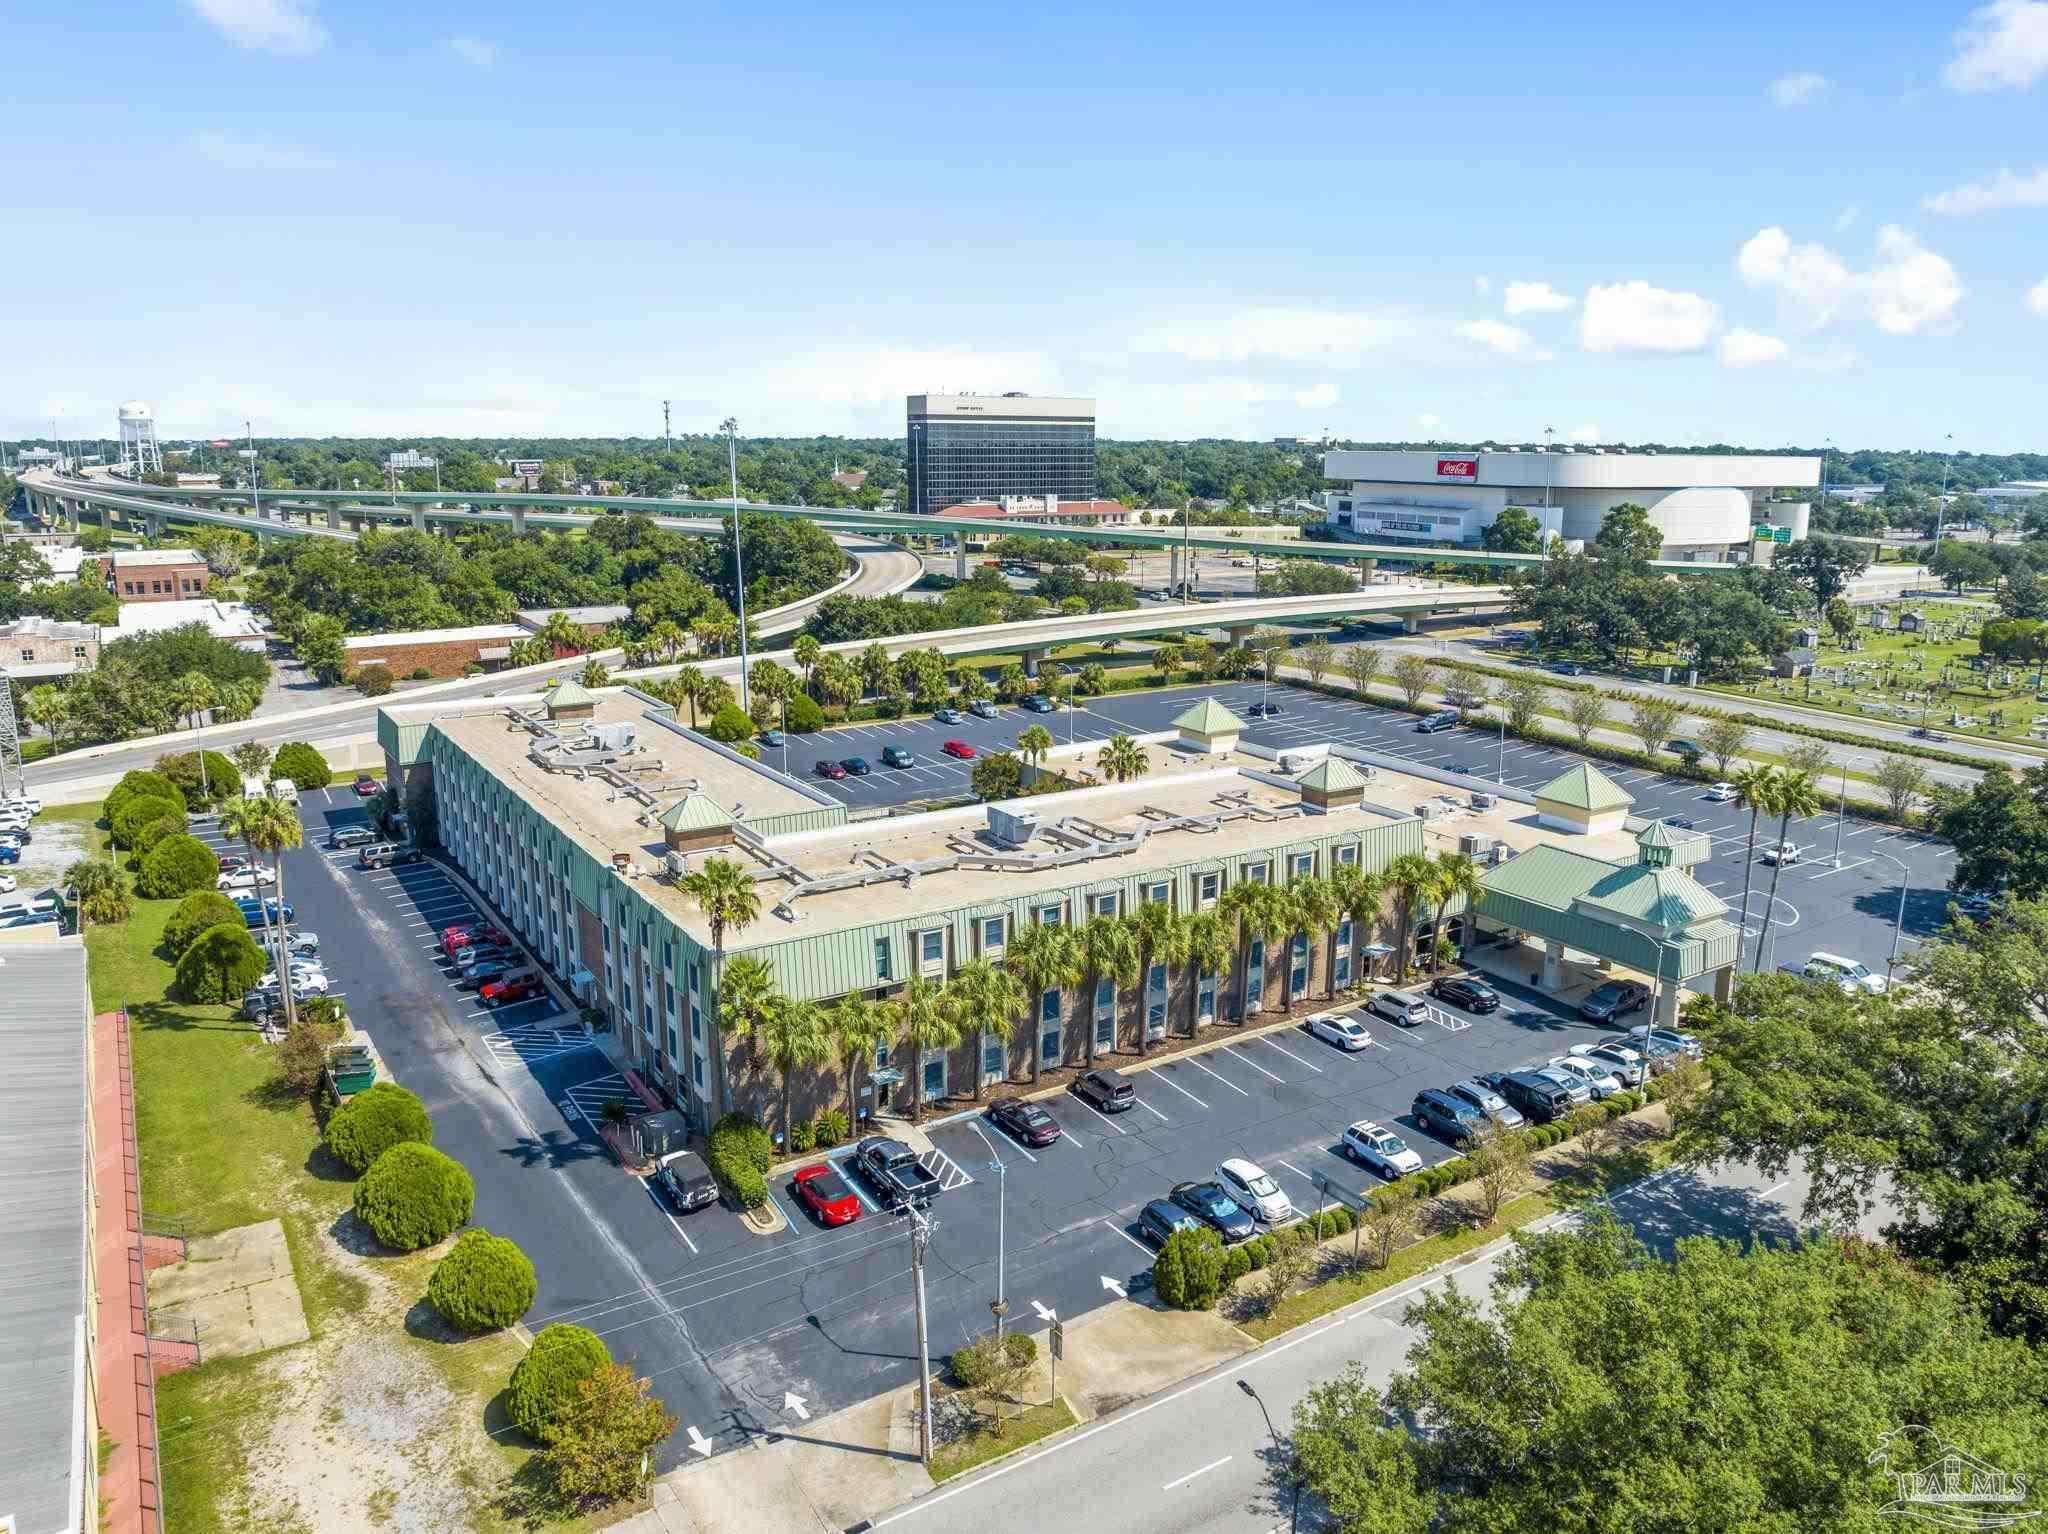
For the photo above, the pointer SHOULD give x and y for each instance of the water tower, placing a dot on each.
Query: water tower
(139, 452)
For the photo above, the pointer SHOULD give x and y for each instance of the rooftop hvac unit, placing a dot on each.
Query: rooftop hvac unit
(675, 865)
(1427, 811)
(1011, 828)
(1289, 765)
(1499, 853)
(617, 735)
(1473, 845)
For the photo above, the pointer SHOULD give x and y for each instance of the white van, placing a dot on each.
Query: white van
(284, 790)
(1847, 973)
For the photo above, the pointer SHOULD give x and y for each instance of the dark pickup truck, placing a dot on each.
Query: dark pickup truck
(892, 1169)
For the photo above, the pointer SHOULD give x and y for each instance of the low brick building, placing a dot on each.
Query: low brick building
(592, 620)
(43, 647)
(440, 652)
(155, 575)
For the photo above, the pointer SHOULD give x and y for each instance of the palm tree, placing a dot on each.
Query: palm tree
(1458, 875)
(1362, 895)
(1238, 909)
(805, 653)
(986, 1000)
(268, 825)
(526, 652)
(1162, 934)
(1756, 790)
(789, 1036)
(190, 696)
(1316, 914)
(924, 1017)
(1409, 878)
(1796, 795)
(561, 635)
(47, 707)
(1033, 743)
(1276, 921)
(1210, 947)
(1109, 951)
(1045, 958)
(688, 687)
(726, 896)
(668, 637)
(857, 1025)
(1122, 760)
(746, 991)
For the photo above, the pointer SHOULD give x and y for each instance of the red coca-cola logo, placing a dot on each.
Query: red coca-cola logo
(1457, 468)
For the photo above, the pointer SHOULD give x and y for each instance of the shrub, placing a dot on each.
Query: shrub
(473, 668)
(484, 1284)
(973, 1362)
(220, 964)
(1022, 1350)
(144, 809)
(302, 764)
(422, 674)
(413, 1196)
(371, 1122)
(302, 1056)
(147, 838)
(805, 715)
(178, 865)
(139, 784)
(200, 785)
(799, 1138)
(545, 1380)
(738, 1150)
(1236, 1263)
(1614, 1107)
(372, 681)
(1258, 1251)
(195, 913)
(830, 1128)
(1188, 1274)
(730, 725)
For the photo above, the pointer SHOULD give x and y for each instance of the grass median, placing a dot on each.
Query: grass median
(974, 1450)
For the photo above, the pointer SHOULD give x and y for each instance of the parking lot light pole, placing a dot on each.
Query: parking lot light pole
(1001, 1306)
(1841, 810)
(731, 427)
(1279, 1448)
(1899, 924)
(920, 1239)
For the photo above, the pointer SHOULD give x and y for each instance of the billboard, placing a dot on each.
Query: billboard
(1457, 468)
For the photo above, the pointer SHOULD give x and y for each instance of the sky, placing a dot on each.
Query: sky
(1761, 224)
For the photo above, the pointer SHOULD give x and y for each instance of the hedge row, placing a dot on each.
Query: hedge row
(738, 1151)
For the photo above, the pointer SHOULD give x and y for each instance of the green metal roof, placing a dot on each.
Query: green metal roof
(1333, 775)
(694, 812)
(1209, 718)
(570, 693)
(1547, 876)
(1585, 787)
(1665, 898)
(1596, 906)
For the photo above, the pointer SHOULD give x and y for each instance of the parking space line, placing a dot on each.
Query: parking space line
(985, 1140)
(1086, 1104)
(1141, 1246)
(1161, 1076)
(1231, 1050)
(1154, 1111)
(1240, 1091)
(1290, 1054)
(852, 1180)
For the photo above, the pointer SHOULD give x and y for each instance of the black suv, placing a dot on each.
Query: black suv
(1106, 1091)
(1429, 724)
(1464, 991)
(1538, 1097)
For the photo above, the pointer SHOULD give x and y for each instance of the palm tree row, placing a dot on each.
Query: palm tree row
(1769, 790)
(985, 1000)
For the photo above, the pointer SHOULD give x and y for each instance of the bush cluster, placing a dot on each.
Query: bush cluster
(804, 714)
(140, 784)
(219, 965)
(374, 1120)
(730, 725)
(216, 780)
(484, 1284)
(738, 1151)
(372, 681)
(147, 838)
(829, 1128)
(195, 913)
(177, 865)
(1188, 1273)
(302, 765)
(545, 1380)
(139, 810)
(973, 1365)
(413, 1196)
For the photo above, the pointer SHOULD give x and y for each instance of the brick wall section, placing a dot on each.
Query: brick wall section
(157, 583)
(442, 657)
(124, 1378)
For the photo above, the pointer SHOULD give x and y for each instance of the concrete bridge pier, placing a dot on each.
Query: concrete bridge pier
(519, 521)
(71, 515)
(153, 524)
(1033, 659)
(419, 519)
(1410, 624)
(1240, 632)
(333, 520)
(960, 559)
(355, 523)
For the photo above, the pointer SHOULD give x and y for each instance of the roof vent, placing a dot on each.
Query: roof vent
(1011, 828)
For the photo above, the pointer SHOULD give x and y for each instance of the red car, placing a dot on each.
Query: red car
(830, 770)
(959, 748)
(820, 1189)
(456, 937)
(367, 788)
(502, 993)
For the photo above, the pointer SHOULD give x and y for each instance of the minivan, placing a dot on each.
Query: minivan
(1444, 719)
(1448, 1118)
(1538, 1097)
(1399, 1007)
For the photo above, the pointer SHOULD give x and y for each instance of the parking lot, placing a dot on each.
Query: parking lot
(1848, 910)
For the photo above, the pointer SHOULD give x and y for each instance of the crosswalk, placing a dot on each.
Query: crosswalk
(530, 1044)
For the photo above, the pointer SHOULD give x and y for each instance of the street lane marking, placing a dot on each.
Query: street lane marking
(1183, 1480)
(1231, 1050)
(1240, 1091)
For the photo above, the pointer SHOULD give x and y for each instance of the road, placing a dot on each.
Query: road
(1197, 1459)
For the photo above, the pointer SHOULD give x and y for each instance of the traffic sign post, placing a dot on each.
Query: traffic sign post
(1059, 1350)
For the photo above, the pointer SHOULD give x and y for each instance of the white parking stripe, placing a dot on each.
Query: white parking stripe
(1240, 1091)
(985, 1140)
(1141, 1246)
(1090, 1107)
(1166, 1080)
(1231, 1050)
(852, 1180)
(1290, 1054)
(1154, 1111)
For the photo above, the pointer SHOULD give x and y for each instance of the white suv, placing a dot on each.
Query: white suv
(1594, 1075)
(1851, 976)
(1248, 1183)
(1381, 1149)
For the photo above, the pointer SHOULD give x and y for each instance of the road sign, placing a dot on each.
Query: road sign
(1059, 1340)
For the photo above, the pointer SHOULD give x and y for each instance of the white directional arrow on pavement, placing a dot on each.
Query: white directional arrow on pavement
(1112, 1285)
(795, 1403)
(1043, 1313)
(699, 1442)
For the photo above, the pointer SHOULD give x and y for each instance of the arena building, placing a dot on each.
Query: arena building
(1706, 504)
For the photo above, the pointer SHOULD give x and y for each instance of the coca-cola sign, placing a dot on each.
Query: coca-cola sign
(1457, 468)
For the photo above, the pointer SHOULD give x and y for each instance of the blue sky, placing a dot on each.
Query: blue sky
(1762, 224)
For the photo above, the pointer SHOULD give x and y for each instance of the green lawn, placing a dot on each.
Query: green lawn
(1020, 1431)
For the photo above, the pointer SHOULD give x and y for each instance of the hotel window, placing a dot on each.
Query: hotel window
(1347, 857)
(882, 959)
(992, 935)
(1155, 1002)
(1158, 894)
(931, 950)
(697, 1071)
(1340, 973)
(882, 1055)
(1297, 970)
(696, 1022)
(1301, 865)
(992, 1060)
(1049, 1027)
(1051, 915)
(1105, 996)
(1208, 887)
(1205, 999)
(1257, 873)
(1102, 905)
(1255, 975)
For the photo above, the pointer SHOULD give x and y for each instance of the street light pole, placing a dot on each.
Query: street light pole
(1899, 922)
(1500, 764)
(920, 1238)
(255, 489)
(731, 427)
(1001, 1307)
(1841, 810)
(1279, 1448)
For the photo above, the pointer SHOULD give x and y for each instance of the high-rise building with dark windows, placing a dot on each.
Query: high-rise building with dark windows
(982, 447)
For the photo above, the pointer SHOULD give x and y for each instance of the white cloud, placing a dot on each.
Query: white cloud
(1504, 339)
(1534, 298)
(1316, 397)
(1635, 317)
(231, 153)
(1588, 434)
(476, 51)
(1797, 90)
(274, 26)
(1277, 333)
(2005, 47)
(1910, 290)
(2004, 190)
(1751, 348)
(2037, 298)
(1428, 422)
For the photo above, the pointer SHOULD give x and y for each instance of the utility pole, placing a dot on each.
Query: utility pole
(667, 436)
(1000, 1305)
(920, 1238)
(731, 427)
(1941, 506)
(255, 493)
